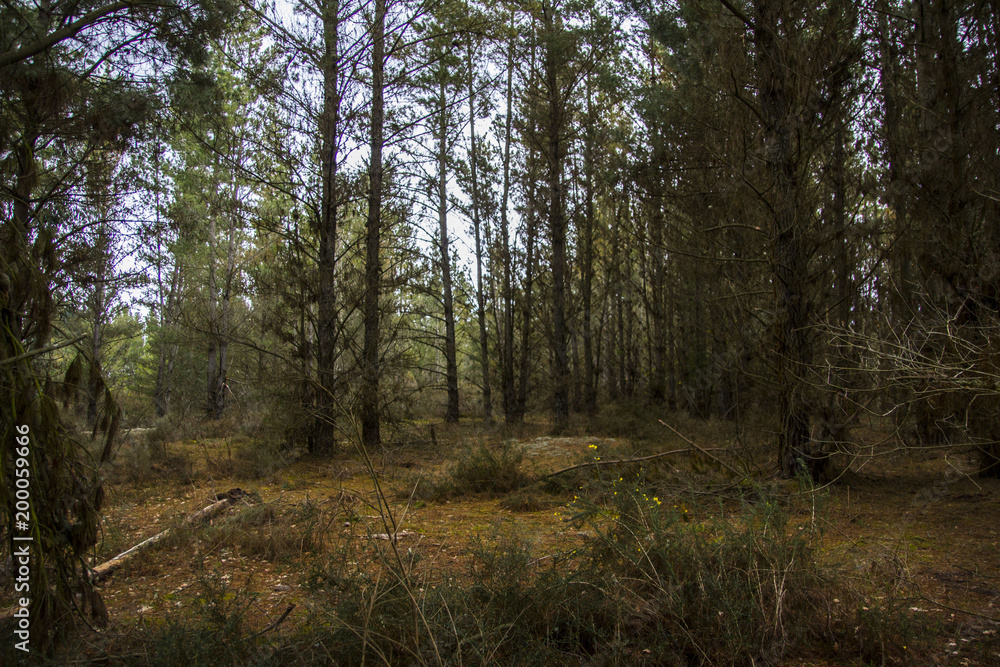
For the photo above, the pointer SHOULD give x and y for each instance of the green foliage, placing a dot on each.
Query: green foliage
(655, 582)
(484, 470)
(261, 531)
(668, 582)
(216, 634)
(522, 500)
(709, 590)
(502, 611)
(259, 459)
(64, 497)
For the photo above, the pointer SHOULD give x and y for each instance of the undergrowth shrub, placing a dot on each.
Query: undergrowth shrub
(159, 434)
(709, 591)
(258, 459)
(481, 469)
(523, 612)
(503, 609)
(629, 420)
(142, 461)
(478, 469)
(597, 469)
(663, 582)
(266, 532)
(215, 632)
(522, 500)
(424, 488)
(705, 590)
(886, 625)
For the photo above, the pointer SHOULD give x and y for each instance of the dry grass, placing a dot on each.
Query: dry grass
(895, 564)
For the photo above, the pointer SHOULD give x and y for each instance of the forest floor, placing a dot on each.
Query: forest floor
(916, 525)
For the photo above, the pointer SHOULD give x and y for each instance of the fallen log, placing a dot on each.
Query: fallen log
(591, 464)
(694, 448)
(105, 569)
(704, 451)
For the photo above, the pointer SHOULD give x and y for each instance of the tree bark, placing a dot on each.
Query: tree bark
(587, 260)
(616, 356)
(324, 438)
(225, 315)
(167, 299)
(901, 261)
(450, 348)
(554, 135)
(370, 431)
(212, 370)
(528, 303)
(509, 391)
(787, 256)
(98, 313)
(484, 355)
(168, 348)
(531, 231)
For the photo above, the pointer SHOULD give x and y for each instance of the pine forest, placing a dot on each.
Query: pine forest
(534, 332)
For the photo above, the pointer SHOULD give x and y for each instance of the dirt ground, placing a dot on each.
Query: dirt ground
(921, 521)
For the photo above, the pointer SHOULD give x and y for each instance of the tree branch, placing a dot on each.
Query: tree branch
(590, 464)
(737, 13)
(48, 41)
(703, 450)
(42, 350)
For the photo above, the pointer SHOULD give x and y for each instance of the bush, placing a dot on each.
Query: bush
(138, 462)
(661, 583)
(481, 470)
(522, 500)
(422, 488)
(504, 610)
(215, 635)
(656, 581)
(258, 460)
(263, 531)
(711, 591)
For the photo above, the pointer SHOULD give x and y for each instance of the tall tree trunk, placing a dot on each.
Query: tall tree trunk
(324, 438)
(98, 307)
(655, 300)
(213, 322)
(450, 347)
(557, 221)
(959, 256)
(628, 327)
(528, 304)
(168, 301)
(616, 374)
(787, 255)
(576, 372)
(164, 302)
(671, 333)
(903, 294)
(587, 260)
(371, 435)
(222, 370)
(168, 349)
(477, 231)
(306, 353)
(509, 392)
